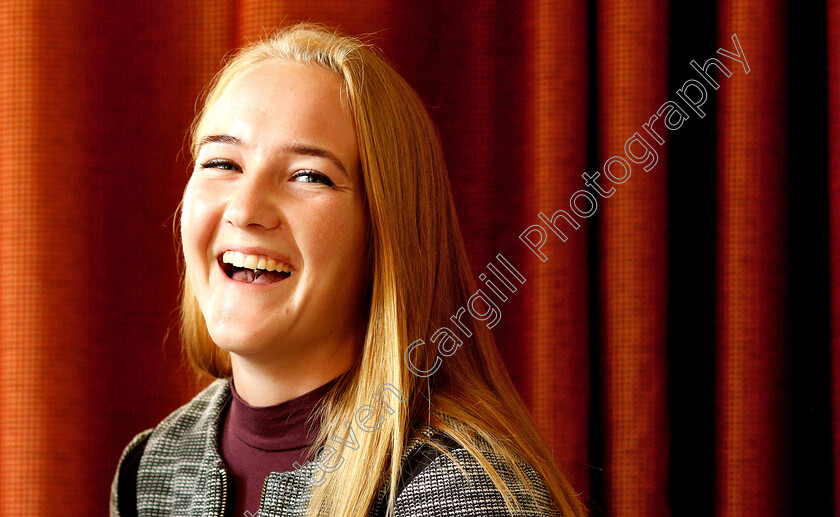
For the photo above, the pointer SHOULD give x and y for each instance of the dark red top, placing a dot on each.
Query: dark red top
(255, 441)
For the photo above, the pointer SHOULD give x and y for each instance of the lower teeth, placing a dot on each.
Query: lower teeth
(250, 276)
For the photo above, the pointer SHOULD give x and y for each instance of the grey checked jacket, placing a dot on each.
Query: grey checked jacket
(179, 472)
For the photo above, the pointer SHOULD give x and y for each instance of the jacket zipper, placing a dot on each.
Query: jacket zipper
(224, 492)
(262, 496)
(223, 497)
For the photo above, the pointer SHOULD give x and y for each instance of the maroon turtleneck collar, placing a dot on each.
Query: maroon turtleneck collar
(255, 441)
(281, 427)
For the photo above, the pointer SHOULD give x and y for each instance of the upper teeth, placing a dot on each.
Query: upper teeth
(254, 262)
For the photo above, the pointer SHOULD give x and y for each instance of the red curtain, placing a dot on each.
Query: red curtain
(679, 350)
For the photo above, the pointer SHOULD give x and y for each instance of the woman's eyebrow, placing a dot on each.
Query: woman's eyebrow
(303, 149)
(219, 139)
(311, 150)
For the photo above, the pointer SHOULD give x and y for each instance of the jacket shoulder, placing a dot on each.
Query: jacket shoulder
(123, 499)
(197, 414)
(456, 484)
(192, 419)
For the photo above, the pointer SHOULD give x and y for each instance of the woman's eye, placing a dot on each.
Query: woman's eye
(310, 176)
(220, 164)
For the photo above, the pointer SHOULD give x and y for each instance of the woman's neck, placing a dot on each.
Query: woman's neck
(263, 384)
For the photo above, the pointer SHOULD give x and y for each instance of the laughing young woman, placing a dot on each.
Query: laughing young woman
(319, 240)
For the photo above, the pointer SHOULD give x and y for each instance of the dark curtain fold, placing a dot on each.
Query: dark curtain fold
(752, 398)
(677, 346)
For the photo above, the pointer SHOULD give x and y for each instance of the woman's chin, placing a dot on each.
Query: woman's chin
(244, 343)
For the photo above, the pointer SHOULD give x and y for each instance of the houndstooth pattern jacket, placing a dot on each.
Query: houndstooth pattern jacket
(176, 471)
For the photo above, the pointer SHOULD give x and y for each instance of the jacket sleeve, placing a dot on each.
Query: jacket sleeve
(127, 471)
(442, 490)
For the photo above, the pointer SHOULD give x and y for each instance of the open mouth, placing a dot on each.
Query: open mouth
(252, 275)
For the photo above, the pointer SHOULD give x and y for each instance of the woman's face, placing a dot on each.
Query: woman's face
(277, 180)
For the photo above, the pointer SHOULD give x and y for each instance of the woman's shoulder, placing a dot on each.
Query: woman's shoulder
(442, 477)
(197, 415)
(191, 423)
(123, 496)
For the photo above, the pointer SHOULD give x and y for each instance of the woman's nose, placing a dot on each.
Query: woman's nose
(253, 203)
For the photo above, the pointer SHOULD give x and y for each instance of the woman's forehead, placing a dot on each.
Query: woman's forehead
(275, 87)
(275, 102)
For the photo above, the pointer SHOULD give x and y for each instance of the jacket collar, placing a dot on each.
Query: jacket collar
(184, 474)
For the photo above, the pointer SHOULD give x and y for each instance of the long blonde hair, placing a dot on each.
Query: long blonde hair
(419, 276)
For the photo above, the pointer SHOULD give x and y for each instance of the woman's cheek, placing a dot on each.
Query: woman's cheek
(197, 226)
(322, 223)
(200, 202)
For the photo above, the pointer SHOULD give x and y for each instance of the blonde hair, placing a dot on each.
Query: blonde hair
(419, 276)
